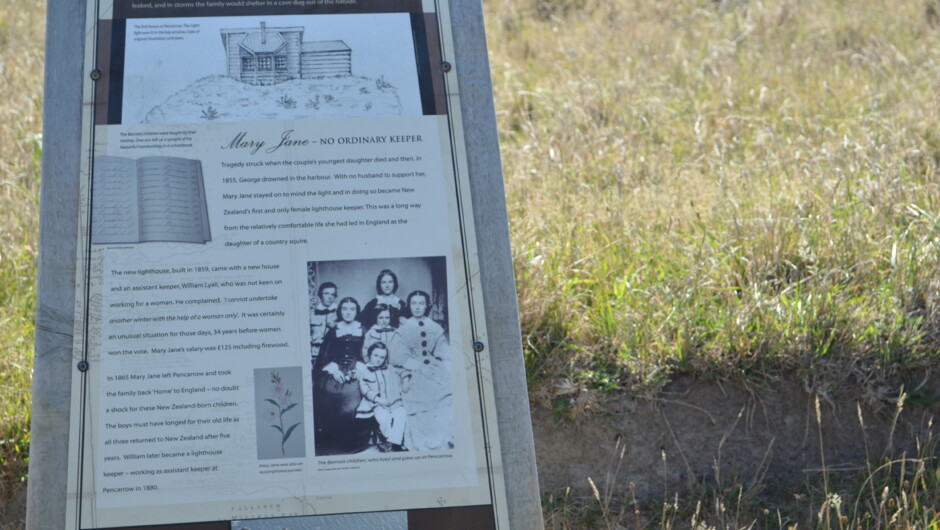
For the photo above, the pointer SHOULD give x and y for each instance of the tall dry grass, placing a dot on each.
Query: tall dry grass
(731, 187)
(22, 35)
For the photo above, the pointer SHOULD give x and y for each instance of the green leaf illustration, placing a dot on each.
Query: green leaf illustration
(290, 430)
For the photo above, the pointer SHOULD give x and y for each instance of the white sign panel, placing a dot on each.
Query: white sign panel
(276, 308)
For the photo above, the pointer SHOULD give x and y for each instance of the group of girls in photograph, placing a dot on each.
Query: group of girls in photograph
(381, 373)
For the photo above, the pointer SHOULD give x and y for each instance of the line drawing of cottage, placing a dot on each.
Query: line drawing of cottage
(261, 68)
(267, 56)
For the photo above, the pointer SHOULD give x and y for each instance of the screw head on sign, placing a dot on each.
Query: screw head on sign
(82, 365)
(95, 74)
(478, 346)
(446, 67)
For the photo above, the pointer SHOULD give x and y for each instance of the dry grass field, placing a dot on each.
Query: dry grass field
(732, 186)
(730, 189)
(22, 32)
(734, 189)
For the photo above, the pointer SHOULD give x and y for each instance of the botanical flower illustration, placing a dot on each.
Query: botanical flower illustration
(282, 403)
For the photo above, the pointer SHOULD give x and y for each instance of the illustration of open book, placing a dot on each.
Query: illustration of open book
(154, 198)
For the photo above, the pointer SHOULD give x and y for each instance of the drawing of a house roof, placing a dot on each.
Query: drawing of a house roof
(321, 46)
(257, 43)
(263, 39)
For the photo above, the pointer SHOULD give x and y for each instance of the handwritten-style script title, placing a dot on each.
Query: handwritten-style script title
(242, 141)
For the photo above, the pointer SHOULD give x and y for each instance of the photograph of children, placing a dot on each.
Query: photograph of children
(380, 356)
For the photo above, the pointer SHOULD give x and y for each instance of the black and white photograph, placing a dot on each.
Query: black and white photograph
(194, 70)
(380, 356)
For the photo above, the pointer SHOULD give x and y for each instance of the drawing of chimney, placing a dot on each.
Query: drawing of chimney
(264, 35)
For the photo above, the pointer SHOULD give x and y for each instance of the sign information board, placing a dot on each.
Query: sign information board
(275, 307)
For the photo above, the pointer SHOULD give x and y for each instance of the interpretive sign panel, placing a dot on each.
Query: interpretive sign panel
(278, 311)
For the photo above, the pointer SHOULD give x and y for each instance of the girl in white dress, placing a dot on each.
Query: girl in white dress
(381, 397)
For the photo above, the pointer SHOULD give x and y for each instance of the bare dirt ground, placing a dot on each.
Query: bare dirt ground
(707, 432)
(13, 510)
(717, 434)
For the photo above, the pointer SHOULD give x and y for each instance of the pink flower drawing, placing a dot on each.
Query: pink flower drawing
(282, 404)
